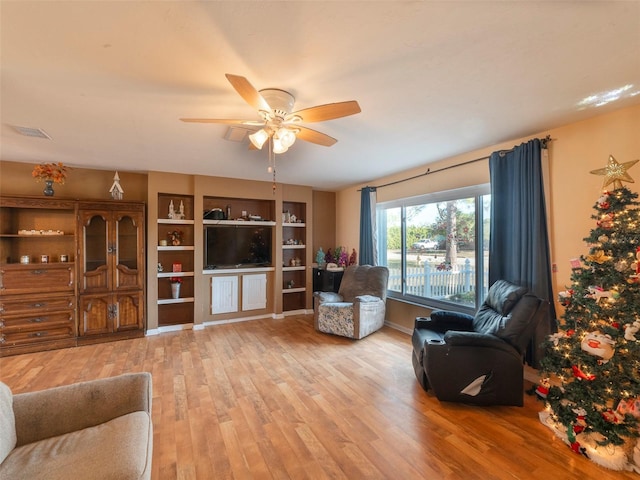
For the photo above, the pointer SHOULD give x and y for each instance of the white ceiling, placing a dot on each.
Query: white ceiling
(108, 81)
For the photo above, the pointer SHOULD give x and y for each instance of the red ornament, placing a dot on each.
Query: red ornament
(580, 375)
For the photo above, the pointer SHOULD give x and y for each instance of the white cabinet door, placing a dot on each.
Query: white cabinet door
(254, 291)
(224, 294)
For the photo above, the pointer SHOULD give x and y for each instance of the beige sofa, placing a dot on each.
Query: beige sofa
(99, 429)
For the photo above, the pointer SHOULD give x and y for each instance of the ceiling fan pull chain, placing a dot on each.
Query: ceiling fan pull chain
(272, 164)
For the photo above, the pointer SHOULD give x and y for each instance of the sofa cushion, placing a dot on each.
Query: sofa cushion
(118, 448)
(7, 422)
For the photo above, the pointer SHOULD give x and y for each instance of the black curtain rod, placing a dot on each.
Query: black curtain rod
(429, 171)
(544, 141)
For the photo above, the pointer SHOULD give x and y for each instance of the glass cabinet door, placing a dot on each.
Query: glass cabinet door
(127, 251)
(94, 252)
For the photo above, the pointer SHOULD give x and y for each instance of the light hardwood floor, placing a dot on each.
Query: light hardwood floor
(275, 399)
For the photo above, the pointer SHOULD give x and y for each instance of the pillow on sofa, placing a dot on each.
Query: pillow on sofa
(7, 422)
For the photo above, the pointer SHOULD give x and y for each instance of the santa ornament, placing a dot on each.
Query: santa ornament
(542, 390)
(603, 201)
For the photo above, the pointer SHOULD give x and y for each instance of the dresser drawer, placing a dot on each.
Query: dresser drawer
(35, 322)
(12, 338)
(35, 304)
(36, 328)
(41, 278)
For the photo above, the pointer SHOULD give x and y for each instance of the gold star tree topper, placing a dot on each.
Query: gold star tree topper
(615, 172)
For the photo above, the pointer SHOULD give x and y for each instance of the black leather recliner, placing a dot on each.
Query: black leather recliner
(479, 359)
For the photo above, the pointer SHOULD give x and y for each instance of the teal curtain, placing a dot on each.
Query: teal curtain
(519, 244)
(368, 247)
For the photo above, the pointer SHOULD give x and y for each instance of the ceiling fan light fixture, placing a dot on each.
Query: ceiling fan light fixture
(258, 138)
(285, 136)
(278, 145)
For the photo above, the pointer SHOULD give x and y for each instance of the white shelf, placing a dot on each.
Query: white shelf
(225, 271)
(168, 301)
(289, 224)
(174, 274)
(238, 222)
(172, 248)
(294, 290)
(291, 269)
(175, 221)
(293, 247)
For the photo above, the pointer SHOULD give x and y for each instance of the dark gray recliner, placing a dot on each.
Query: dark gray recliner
(478, 359)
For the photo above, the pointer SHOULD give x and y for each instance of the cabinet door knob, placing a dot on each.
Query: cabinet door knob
(2, 339)
(38, 272)
(37, 320)
(38, 305)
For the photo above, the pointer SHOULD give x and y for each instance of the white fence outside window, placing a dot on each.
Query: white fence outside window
(428, 281)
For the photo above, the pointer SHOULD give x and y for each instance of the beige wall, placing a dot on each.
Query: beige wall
(576, 149)
(16, 179)
(324, 215)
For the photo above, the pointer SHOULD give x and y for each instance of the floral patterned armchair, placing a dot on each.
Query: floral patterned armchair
(358, 309)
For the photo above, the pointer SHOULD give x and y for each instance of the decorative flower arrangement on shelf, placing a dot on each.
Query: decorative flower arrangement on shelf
(175, 237)
(50, 173)
(175, 279)
(340, 257)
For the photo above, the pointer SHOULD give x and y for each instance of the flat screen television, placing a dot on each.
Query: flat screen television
(233, 246)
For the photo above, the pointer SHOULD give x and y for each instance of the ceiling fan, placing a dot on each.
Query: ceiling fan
(279, 124)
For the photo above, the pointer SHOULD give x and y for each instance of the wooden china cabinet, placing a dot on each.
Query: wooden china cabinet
(111, 259)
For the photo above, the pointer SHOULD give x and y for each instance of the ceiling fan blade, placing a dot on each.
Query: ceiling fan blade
(327, 112)
(313, 136)
(248, 92)
(223, 120)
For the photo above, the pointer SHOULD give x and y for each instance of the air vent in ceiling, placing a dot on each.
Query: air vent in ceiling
(32, 132)
(236, 134)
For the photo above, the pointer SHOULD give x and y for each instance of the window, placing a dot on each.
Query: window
(436, 247)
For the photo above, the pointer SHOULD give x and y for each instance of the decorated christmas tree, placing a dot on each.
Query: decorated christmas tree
(591, 367)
